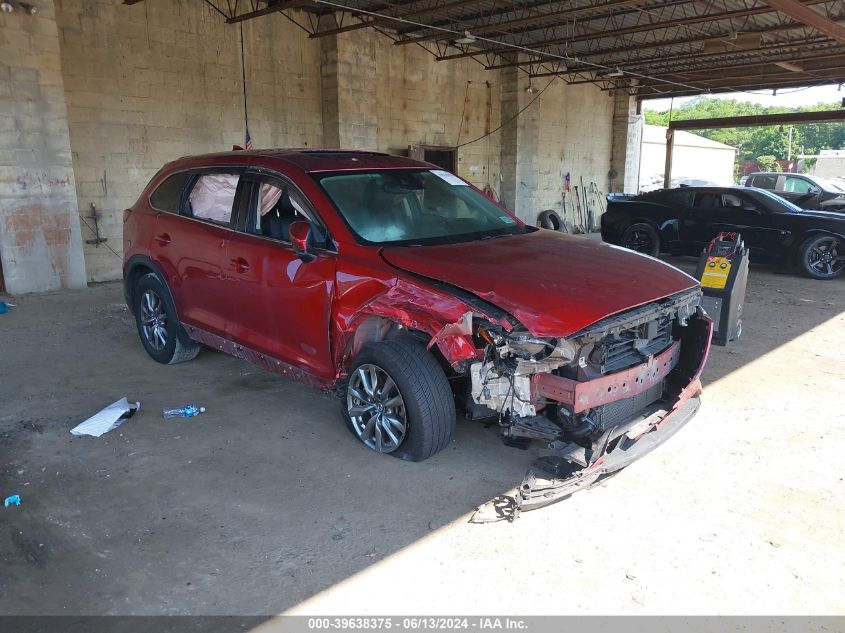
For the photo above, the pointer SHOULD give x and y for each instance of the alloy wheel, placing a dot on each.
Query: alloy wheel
(826, 257)
(640, 241)
(376, 408)
(153, 320)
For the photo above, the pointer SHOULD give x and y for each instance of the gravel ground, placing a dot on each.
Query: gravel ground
(265, 504)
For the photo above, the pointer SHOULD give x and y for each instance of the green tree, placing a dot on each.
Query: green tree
(768, 163)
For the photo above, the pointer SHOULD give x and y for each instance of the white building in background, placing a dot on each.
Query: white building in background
(830, 163)
(695, 160)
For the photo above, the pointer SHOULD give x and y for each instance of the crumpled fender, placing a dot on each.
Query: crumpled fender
(445, 318)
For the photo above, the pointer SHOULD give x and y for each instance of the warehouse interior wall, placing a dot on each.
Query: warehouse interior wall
(40, 242)
(148, 83)
(113, 92)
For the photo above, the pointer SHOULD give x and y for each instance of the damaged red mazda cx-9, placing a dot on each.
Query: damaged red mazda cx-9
(410, 292)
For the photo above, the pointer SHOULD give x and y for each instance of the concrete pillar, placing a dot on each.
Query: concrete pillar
(627, 136)
(519, 148)
(40, 241)
(348, 84)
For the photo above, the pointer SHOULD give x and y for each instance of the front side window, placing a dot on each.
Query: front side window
(168, 195)
(796, 185)
(212, 197)
(276, 208)
(411, 206)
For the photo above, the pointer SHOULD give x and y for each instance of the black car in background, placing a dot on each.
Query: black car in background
(683, 221)
(808, 192)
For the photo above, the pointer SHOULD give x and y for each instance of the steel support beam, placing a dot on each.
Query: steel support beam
(814, 19)
(639, 28)
(276, 8)
(757, 120)
(388, 20)
(638, 46)
(494, 27)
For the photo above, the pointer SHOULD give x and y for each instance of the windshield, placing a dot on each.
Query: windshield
(415, 207)
(831, 185)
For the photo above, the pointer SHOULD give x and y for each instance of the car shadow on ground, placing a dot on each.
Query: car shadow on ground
(254, 506)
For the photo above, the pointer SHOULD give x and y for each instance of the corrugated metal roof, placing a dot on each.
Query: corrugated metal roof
(650, 47)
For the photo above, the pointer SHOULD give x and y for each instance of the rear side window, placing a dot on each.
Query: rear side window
(708, 201)
(212, 197)
(678, 198)
(765, 182)
(168, 194)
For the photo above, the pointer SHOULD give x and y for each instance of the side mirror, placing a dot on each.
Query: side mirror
(300, 238)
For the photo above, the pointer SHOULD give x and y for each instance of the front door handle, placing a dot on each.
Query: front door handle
(240, 264)
(163, 239)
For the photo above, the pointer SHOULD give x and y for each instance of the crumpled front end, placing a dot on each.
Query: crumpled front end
(598, 399)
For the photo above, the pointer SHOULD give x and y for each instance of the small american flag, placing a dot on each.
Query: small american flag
(248, 144)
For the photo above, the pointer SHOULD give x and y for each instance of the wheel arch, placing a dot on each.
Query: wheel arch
(443, 323)
(800, 240)
(134, 269)
(374, 328)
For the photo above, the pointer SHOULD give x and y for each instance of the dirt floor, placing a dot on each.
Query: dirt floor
(266, 504)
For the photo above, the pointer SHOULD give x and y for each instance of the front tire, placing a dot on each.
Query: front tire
(397, 401)
(642, 238)
(823, 257)
(159, 329)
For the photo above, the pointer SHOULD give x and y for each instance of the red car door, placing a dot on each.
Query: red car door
(277, 304)
(190, 248)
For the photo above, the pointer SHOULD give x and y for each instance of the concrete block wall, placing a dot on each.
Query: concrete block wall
(566, 129)
(129, 88)
(348, 68)
(627, 137)
(421, 101)
(575, 137)
(40, 244)
(157, 80)
(520, 146)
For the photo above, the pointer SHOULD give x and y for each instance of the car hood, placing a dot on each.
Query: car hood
(555, 284)
(823, 215)
(832, 201)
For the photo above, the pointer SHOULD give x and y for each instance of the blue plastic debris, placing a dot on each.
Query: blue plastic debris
(14, 500)
(3, 307)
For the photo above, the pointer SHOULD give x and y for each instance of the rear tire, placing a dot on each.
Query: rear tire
(823, 257)
(642, 238)
(398, 401)
(159, 329)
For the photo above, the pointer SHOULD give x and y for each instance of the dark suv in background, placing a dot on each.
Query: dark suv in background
(808, 192)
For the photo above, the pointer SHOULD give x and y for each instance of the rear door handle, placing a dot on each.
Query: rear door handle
(163, 239)
(240, 265)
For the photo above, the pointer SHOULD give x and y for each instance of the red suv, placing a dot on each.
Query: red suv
(409, 291)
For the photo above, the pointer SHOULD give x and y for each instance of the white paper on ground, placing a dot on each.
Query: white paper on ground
(107, 419)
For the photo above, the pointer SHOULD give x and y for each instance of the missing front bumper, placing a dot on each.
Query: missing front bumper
(537, 491)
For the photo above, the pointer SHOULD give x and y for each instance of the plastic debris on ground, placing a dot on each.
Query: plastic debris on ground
(108, 419)
(188, 411)
(14, 500)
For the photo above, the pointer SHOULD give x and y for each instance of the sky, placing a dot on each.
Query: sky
(788, 97)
